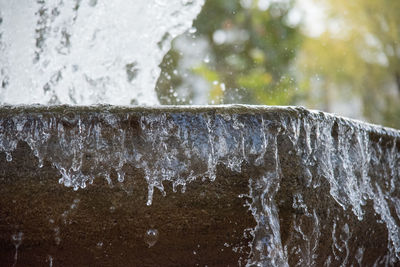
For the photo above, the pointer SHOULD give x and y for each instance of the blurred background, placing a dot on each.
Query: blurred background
(337, 56)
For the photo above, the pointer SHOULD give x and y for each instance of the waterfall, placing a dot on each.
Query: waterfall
(305, 154)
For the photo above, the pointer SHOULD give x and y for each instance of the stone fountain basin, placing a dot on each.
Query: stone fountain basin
(82, 186)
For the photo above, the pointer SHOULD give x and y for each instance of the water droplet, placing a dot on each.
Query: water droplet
(40, 163)
(151, 237)
(223, 88)
(50, 260)
(121, 176)
(17, 238)
(8, 156)
(192, 30)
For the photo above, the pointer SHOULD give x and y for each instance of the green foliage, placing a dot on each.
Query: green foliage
(363, 57)
(250, 64)
(255, 57)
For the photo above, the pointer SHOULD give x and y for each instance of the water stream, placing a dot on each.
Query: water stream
(87, 52)
(184, 145)
(96, 52)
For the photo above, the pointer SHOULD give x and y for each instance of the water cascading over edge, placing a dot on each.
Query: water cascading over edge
(296, 158)
(91, 52)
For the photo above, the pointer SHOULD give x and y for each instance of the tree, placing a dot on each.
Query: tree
(250, 48)
(358, 54)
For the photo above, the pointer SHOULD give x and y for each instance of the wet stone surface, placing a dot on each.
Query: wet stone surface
(236, 185)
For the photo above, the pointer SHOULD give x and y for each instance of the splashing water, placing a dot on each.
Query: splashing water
(91, 52)
(327, 152)
(87, 52)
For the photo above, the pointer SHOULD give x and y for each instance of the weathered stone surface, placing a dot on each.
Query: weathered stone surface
(291, 187)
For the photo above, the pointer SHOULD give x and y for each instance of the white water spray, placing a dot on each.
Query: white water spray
(87, 52)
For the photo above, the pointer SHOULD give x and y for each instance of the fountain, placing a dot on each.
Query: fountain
(122, 185)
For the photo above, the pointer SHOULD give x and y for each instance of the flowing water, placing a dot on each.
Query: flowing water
(87, 52)
(189, 145)
(93, 52)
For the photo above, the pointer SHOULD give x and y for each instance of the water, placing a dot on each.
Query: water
(96, 52)
(350, 162)
(87, 52)
(151, 237)
(16, 240)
